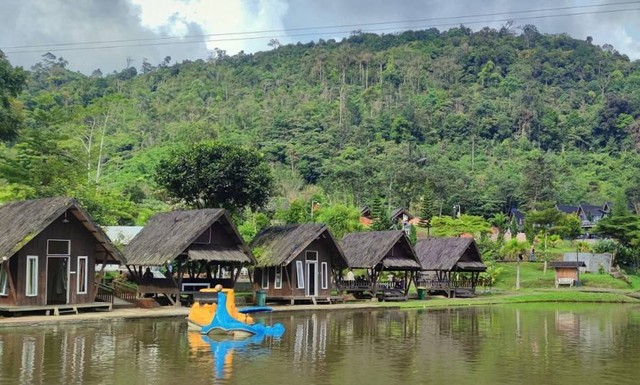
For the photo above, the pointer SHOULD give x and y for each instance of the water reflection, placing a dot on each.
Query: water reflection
(484, 345)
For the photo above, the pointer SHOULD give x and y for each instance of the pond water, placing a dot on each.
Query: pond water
(517, 344)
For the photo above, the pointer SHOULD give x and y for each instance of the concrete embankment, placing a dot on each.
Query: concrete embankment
(155, 313)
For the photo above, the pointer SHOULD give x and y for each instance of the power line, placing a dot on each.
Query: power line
(314, 33)
(329, 27)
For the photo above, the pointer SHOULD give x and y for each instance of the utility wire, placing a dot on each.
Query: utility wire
(330, 27)
(314, 33)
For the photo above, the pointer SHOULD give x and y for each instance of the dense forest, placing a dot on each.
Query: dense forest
(487, 120)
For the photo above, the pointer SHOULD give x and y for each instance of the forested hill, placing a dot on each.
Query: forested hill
(488, 120)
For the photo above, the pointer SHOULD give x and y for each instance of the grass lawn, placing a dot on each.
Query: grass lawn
(532, 276)
(565, 295)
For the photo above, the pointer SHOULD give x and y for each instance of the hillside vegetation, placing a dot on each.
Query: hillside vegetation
(487, 120)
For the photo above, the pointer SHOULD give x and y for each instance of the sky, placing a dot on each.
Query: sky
(109, 35)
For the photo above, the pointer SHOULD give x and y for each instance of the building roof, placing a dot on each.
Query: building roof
(22, 221)
(168, 235)
(567, 209)
(367, 250)
(591, 209)
(449, 254)
(397, 214)
(567, 264)
(279, 245)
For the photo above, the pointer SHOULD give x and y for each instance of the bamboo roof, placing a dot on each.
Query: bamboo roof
(22, 221)
(279, 245)
(449, 254)
(168, 235)
(366, 250)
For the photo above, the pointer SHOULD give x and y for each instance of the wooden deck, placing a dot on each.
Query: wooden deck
(452, 289)
(55, 310)
(302, 299)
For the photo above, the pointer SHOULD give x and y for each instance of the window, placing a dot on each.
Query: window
(82, 275)
(325, 275)
(32, 276)
(58, 247)
(4, 278)
(265, 278)
(311, 255)
(300, 274)
(278, 278)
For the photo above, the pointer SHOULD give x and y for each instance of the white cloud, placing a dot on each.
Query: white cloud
(214, 17)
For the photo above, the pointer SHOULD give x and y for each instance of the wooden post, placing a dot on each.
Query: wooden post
(96, 282)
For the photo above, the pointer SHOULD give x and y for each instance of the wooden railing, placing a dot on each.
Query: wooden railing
(445, 284)
(125, 291)
(361, 285)
(104, 293)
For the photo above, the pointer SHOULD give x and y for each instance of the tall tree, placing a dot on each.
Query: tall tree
(213, 174)
(12, 80)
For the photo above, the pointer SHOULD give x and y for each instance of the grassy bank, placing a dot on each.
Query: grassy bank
(532, 276)
(566, 295)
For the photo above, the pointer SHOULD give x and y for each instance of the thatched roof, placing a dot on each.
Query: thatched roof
(367, 250)
(22, 221)
(449, 254)
(567, 264)
(169, 235)
(279, 245)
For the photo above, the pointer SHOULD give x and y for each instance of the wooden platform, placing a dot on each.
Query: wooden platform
(314, 300)
(55, 310)
(392, 295)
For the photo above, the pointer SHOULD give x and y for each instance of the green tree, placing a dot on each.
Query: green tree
(341, 219)
(427, 210)
(12, 80)
(544, 220)
(568, 226)
(380, 215)
(626, 229)
(466, 224)
(213, 174)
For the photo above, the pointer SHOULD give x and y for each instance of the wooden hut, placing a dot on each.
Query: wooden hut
(49, 249)
(567, 272)
(198, 248)
(378, 251)
(453, 265)
(297, 262)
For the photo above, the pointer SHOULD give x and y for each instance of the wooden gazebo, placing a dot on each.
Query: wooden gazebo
(379, 251)
(455, 265)
(199, 248)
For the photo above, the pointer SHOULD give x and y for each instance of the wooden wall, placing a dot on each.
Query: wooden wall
(289, 273)
(83, 243)
(566, 272)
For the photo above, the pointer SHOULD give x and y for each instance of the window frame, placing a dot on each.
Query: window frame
(324, 275)
(68, 241)
(79, 280)
(4, 280)
(277, 279)
(299, 275)
(265, 278)
(33, 277)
